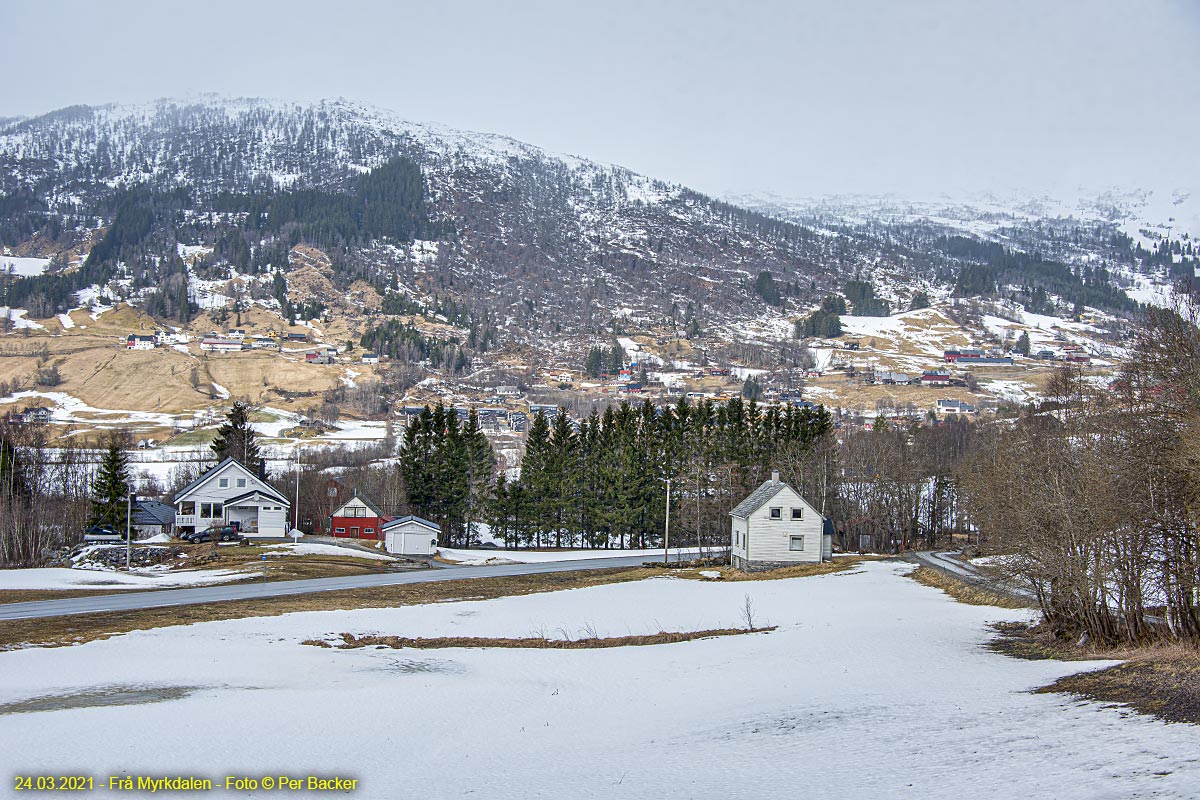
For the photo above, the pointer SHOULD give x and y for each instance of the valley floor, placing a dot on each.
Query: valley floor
(872, 685)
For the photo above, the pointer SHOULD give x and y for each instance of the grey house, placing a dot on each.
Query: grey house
(776, 527)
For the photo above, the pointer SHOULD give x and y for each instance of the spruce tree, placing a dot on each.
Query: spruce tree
(1023, 344)
(110, 487)
(237, 440)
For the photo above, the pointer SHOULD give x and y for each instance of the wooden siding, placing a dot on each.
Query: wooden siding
(770, 539)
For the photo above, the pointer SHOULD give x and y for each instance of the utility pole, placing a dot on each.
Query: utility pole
(128, 527)
(667, 529)
(296, 508)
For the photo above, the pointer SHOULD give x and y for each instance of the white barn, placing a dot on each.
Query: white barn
(410, 536)
(230, 493)
(776, 527)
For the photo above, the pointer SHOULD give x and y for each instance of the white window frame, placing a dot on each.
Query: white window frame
(792, 543)
(776, 513)
(241, 483)
(223, 483)
(339, 530)
(798, 513)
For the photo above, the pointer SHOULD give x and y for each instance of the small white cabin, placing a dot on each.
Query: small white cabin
(776, 527)
(410, 536)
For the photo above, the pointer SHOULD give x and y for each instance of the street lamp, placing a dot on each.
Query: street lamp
(667, 527)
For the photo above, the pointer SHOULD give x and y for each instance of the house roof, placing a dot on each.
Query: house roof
(152, 512)
(205, 476)
(411, 518)
(365, 502)
(759, 498)
(268, 492)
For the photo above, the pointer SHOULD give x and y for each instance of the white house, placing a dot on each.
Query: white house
(221, 345)
(230, 493)
(410, 536)
(135, 342)
(370, 358)
(776, 527)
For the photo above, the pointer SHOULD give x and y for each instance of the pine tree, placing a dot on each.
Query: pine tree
(110, 487)
(237, 440)
(480, 463)
(1023, 344)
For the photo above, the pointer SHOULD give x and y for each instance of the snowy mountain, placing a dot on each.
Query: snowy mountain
(119, 197)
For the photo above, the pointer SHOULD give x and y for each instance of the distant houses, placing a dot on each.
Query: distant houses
(135, 342)
(970, 356)
(954, 407)
(222, 345)
(40, 415)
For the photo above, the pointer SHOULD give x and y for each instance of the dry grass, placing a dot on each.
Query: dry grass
(61, 631)
(797, 571)
(349, 641)
(34, 595)
(1164, 686)
(964, 592)
(1162, 680)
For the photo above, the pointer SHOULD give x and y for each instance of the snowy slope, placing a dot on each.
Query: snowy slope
(873, 686)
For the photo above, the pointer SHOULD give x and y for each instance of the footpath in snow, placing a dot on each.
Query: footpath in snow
(872, 686)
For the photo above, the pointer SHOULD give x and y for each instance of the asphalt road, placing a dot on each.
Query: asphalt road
(247, 591)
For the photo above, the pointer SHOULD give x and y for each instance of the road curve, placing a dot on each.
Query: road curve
(131, 601)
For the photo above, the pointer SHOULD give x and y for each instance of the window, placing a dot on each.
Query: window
(210, 510)
(241, 483)
(368, 530)
(339, 530)
(796, 543)
(797, 513)
(187, 507)
(776, 513)
(223, 483)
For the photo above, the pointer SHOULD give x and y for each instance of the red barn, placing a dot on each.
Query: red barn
(358, 518)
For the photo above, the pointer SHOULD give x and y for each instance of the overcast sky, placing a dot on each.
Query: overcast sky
(795, 98)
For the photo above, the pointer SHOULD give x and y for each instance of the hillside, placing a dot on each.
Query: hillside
(468, 261)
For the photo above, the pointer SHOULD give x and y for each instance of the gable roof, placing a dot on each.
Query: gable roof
(206, 475)
(267, 492)
(365, 502)
(411, 518)
(152, 512)
(760, 497)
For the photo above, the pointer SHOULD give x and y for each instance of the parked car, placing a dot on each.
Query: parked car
(223, 533)
(103, 533)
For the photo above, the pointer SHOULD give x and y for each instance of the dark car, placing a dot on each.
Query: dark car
(223, 533)
(103, 533)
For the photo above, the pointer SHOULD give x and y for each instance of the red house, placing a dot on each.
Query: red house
(358, 518)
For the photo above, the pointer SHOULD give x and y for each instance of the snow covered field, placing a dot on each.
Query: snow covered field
(148, 578)
(873, 686)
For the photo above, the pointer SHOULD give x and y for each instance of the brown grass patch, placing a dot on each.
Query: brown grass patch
(34, 595)
(964, 592)
(1164, 686)
(1162, 680)
(349, 641)
(798, 571)
(61, 631)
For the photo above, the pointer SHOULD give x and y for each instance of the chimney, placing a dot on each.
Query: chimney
(774, 476)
